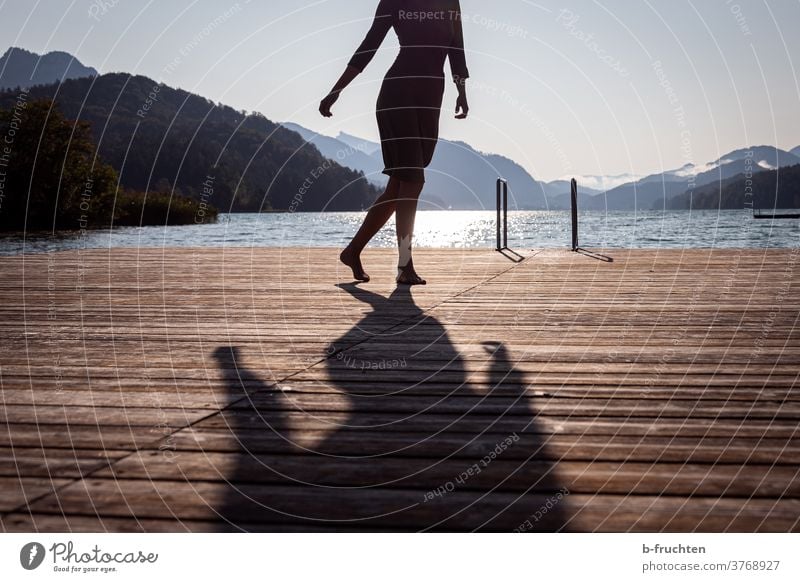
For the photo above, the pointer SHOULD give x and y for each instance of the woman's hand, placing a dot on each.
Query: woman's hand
(347, 77)
(462, 107)
(326, 104)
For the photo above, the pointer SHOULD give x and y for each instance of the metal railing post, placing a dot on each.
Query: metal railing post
(505, 214)
(502, 201)
(498, 247)
(574, 197)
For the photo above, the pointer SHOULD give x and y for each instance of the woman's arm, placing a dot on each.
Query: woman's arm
(384, 18)
(462, 105)
(347, 77)
(458, 64)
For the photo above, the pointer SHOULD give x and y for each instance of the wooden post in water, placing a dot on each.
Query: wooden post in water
(574, 197)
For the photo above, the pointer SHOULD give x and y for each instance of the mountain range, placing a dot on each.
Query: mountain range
(770, 189)
(462, 177)
(654, 192)
(459, 177)
(22, 68)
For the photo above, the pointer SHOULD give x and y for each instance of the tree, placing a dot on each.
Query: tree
(53, 178)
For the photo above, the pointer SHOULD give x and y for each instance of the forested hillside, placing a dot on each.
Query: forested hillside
(158, 138)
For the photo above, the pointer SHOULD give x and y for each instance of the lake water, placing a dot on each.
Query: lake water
(443, 229)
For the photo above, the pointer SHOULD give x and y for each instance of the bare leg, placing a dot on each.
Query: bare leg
(379, 213)
(407, 199)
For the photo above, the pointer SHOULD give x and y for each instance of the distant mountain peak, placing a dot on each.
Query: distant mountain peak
(364, 145)
(23, 68)
(459, 177)
(758, 152)
(605, 182)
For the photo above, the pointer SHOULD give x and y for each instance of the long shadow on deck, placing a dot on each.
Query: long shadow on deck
(395, 434)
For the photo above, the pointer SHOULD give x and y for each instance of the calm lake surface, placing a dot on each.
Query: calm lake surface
(442, 229)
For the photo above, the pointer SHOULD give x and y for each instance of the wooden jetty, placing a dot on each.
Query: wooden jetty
(242, 389)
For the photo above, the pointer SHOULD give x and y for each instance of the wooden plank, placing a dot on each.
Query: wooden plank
(584, 446)
(517, 420)
(18, 490)
(473, 402)
(445, 399)
(42, 522)
(99, 416)
(299, 423)
(201, 397)
(54, 463)
(523, 475)
(76, 436)
(142, 393)
(402, 510)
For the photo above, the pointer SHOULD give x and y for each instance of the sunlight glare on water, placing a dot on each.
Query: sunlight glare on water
(442, 229)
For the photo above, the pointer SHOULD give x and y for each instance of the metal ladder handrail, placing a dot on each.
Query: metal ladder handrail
(502, 214)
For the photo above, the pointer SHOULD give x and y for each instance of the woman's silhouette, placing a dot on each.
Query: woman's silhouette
(408, 110)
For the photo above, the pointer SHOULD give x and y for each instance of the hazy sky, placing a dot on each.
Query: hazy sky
(565, 88)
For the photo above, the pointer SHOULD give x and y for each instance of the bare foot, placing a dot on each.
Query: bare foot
(353, 261)
(408, 276)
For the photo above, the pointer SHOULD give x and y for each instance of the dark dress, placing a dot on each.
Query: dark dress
(411, 94)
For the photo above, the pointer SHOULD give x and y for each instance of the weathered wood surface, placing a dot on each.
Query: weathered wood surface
(242, 389)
